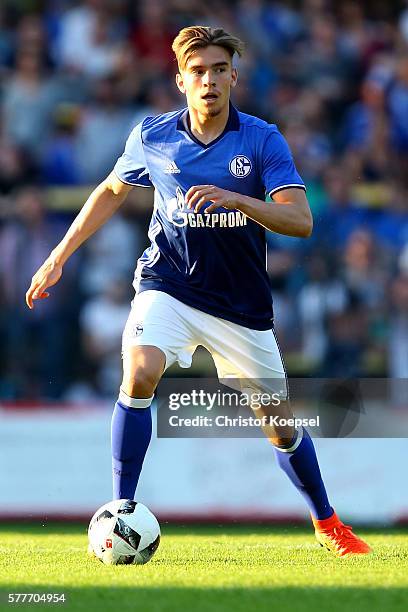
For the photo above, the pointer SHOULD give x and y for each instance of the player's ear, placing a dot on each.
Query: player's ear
(180, 83)
(234, 77)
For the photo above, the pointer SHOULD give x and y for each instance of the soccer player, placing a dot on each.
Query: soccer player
(203, 281)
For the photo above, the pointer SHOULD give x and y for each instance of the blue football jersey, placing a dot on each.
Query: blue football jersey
(215, 262)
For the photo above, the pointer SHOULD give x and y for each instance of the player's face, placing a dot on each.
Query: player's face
(207, 80)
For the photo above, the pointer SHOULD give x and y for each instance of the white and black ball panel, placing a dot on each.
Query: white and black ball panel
(147, 553)
(126, 533)
(100, 515)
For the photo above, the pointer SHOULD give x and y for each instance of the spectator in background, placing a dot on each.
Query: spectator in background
(28, 103)
(36, 346)
(363, 116)
(321, 63)
(322, 296)
(16, 167)
(152, 37)
(398, 110)
(102, 132)
(389, 223)
(131, 84)
(364, 271)
(341, 215)
(398, 333)
(32, 37)
(59, 163)
(111, 253)
(90, 38)
(355, 32)
(281, 263)
(310, 146)
(403, 22)
(250, 17)
(6, 39)
(102, 321)
(160, 99)
(347, 342)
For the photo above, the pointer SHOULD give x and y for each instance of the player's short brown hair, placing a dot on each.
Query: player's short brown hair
(190, 39)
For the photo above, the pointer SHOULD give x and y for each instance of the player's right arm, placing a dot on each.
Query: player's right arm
(103, 202)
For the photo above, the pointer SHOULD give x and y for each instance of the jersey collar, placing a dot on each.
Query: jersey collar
(232, 125)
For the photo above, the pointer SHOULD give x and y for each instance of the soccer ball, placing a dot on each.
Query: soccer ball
(123, 532)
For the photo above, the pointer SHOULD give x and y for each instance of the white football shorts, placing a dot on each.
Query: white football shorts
(158, 319)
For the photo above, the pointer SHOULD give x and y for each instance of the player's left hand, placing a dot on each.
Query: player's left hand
(198, 195)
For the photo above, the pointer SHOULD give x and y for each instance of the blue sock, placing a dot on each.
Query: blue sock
(302, 468)
(130, 437)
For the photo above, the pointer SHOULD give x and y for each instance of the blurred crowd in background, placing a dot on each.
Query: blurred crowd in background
(75, 77)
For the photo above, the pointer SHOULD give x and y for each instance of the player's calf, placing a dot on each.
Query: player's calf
(131, 420)
(296, 456)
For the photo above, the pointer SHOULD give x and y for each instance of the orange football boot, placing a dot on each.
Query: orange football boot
(338, 537)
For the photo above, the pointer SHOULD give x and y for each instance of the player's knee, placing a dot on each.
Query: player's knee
(142, 370)
(142, 382)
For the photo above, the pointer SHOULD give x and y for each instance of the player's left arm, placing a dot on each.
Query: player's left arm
(291, 214)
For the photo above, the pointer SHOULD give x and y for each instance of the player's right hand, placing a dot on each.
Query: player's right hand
(46, 276)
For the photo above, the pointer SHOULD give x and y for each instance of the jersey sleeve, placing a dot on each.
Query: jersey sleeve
(131, 167)
(278, 168)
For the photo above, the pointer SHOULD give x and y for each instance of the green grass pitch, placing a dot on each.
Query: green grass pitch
(200, 569)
